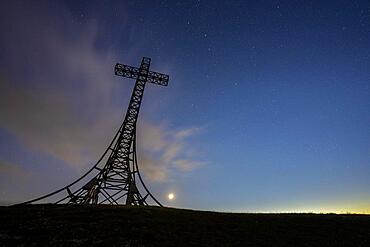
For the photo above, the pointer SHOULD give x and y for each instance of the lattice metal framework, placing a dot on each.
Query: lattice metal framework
(116, 182)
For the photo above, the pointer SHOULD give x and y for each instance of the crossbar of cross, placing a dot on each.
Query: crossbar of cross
(133, 73)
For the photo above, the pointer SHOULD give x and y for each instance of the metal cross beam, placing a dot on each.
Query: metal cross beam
(118, 175)
(120, 166)
(133, 72)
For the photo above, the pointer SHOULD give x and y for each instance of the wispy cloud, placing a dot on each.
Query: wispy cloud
(13, 173)
(14, 180)
(63, 102)
(174, 153)
(187, 132)
(48, 122)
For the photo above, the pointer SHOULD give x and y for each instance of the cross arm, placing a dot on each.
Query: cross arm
(133, 72)
(126, 71)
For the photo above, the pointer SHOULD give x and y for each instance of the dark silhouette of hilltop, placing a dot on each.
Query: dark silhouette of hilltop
(67, 225)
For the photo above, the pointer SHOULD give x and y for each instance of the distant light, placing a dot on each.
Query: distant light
(171, 196)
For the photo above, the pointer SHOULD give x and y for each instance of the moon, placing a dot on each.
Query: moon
(171, 196)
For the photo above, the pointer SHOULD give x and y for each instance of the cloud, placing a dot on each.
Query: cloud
(153, 169)
(187, 132)
(61, 98)
(188, 165)
(12, 173)
(58, 99)
(15, 181)
(171, 151)
(48, 122)
(172, 154)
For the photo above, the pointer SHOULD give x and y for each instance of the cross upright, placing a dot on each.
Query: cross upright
(119, 177)
(126, 142)
(142, 75)
(117, 170)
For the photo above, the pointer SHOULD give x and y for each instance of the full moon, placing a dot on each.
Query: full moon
(171, 196)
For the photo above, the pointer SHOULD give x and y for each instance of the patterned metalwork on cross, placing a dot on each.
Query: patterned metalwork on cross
(133, 73)
(118, 175)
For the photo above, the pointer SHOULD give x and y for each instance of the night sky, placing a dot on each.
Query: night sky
(267, 108)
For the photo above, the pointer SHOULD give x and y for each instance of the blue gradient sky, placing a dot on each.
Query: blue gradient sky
(268, 106)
